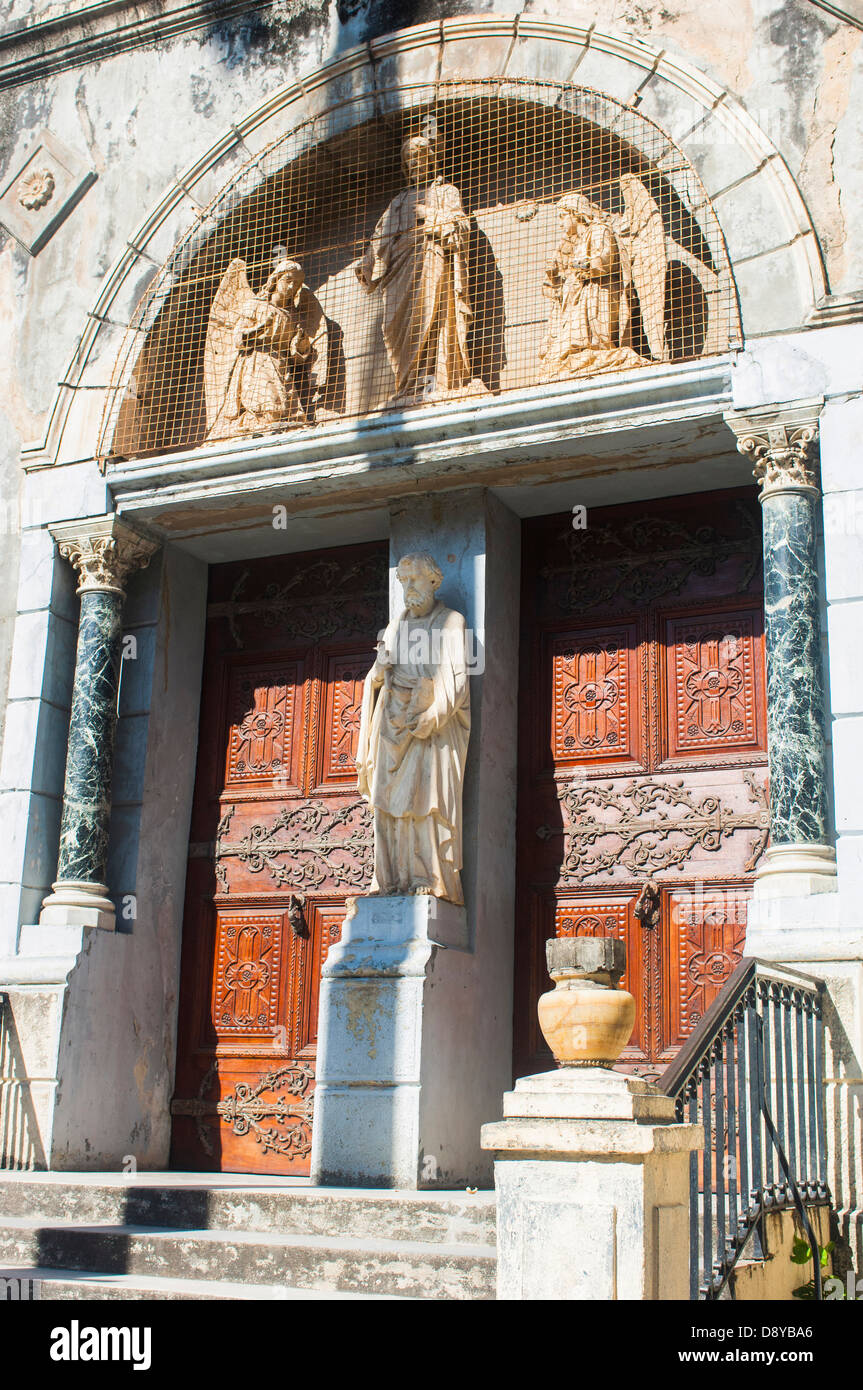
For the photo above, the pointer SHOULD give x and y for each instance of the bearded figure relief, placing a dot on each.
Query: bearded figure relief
(416, 260)
(266, 354)
(603, 266)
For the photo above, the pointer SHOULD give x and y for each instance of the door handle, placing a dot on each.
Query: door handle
(296, 915)
(647, 905)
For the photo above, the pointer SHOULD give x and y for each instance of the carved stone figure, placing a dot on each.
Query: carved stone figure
(416, 259)
(602, 264)
(261, 351)
(413, 741)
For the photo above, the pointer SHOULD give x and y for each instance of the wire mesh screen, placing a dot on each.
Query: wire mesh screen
(454, 243)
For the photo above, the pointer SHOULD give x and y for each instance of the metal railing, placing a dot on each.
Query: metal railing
(752, 1073)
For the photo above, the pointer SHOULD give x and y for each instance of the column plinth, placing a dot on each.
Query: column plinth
(104, 551)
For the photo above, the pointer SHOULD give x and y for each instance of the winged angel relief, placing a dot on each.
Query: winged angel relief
(266, 354)
(603, 262)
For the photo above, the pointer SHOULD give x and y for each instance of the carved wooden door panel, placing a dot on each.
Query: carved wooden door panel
(279, 839)
(642, 754)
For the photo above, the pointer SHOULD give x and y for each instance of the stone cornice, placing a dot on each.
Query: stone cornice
(781, 440)
(460, 438)
(89, 33)
(104, 550)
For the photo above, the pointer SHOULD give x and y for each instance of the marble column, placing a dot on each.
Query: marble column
(782, 442)
(104, 551)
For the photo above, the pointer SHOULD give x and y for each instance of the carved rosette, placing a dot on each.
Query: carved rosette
(104, 552)
(782, 444)
(36, 189)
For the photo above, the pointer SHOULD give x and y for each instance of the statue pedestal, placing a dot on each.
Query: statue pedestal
(592, 1178)
(387, 1110)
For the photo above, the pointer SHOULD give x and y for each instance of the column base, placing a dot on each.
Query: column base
(796, 871)
(73, 903)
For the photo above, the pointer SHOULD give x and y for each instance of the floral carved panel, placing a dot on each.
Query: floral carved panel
(591, 696)
(344, 699)
(713, 683)
(247, 973)
(263, 716)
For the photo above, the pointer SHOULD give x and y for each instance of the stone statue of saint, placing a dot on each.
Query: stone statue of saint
(261, 350)
(413, 741)
(602, 263)
(416, 260)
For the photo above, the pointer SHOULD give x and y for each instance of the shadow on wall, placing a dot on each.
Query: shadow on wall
(20, 1144)
(278, 30)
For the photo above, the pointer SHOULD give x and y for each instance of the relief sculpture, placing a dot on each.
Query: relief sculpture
(416, 260)
(604, 267)
(262, 350)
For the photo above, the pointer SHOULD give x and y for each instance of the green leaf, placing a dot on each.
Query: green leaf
(800, 1252)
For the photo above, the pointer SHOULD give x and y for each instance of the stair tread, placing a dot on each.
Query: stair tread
(172, 1287)
(287, 1239)
(247, 1184)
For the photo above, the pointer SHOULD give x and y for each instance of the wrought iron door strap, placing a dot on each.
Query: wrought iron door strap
(647, 559)
(246, 1108)
(639, 815)
(298, 848)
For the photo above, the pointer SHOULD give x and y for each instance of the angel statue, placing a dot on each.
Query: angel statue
(262, 351)
(602, 263)
(416, 259)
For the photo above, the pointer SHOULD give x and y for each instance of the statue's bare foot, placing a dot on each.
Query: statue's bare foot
(422, 891)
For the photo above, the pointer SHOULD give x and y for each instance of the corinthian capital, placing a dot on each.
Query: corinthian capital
(104, 551)
(782, 443)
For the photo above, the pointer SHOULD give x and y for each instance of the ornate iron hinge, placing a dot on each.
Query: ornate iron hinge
(653, 826)
(246, 1108)
(300, 848)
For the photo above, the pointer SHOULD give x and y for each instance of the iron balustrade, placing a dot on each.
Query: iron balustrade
(752, 1073)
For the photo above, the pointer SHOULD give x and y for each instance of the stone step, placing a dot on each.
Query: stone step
(326, 1263)
(449, 1218)
(74, 1284)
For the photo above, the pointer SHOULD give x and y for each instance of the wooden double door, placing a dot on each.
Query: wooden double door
(279, 839)
(642, 802)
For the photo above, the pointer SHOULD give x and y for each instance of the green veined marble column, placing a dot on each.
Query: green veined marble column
(797, 748)
(92, 724)
(782, 442)
(104, 551)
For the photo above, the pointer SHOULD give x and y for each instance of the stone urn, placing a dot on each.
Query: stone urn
(586, 1020)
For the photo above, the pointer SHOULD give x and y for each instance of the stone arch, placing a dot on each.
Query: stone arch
(772, 245)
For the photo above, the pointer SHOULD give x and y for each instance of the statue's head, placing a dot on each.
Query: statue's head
(420, 576)
(418, 158)
(575, 208)
(287, 277)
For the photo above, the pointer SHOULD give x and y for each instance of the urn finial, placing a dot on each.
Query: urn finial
(586, 1020)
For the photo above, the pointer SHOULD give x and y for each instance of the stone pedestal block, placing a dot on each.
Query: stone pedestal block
(388, 1110)
(592, 1179)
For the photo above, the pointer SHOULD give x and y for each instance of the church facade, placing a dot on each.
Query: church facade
(574, 308)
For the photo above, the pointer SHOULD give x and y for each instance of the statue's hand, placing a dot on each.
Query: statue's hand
(425, 725)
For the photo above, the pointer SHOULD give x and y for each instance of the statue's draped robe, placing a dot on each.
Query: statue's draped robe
(420, 268)
(414, 785)
(268, 383)
(588, 327)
